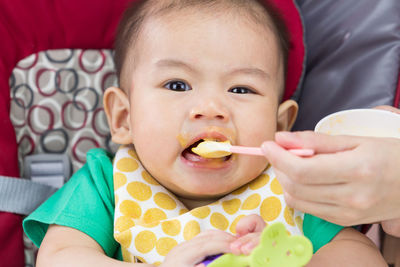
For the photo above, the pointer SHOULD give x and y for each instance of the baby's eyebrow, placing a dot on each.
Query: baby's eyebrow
(251, 71)
(174, 63)
(241, 70)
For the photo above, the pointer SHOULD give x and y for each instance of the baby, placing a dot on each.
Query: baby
(189, 70)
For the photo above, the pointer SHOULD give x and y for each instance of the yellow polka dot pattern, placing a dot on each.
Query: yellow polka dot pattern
(201, 212)
(251, 202)
(192, 228)
(164, 201)
(165, 244)
(270, 208)
(139, 190)
(127, 165)
(145, 241)
(231, 206)
(119, 180)
(124, 238)
(130, 209)
(232, 228)
(150, 221)
(260, 182)
(154, 215)
(288, 214)
(219, 221)
(276, 187)
(123, 223)
(172, 227)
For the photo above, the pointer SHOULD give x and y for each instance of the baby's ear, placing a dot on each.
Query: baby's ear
(116, 107)
(287, 114)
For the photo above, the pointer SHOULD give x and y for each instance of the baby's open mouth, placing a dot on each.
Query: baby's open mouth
(189, 155)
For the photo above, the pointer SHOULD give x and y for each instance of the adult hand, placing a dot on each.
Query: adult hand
(351, 180)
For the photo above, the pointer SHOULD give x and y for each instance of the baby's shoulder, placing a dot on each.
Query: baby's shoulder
(97, 171)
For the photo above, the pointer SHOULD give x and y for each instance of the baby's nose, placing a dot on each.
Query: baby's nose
(209, 110)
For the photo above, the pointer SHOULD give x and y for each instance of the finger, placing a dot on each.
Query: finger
(249, 246)
(341, 215)
(321, 193)
(250, 224)
(388, 108)
(353, 203)
(207, 243)
(392, 227)
(320, 210)
(275, 153)
(245, 244)
(214, 233)
(319, 142)
(318, 169)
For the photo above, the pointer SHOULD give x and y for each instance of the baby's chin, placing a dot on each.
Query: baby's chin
(194, 201)
(197, 194)
(203, 195)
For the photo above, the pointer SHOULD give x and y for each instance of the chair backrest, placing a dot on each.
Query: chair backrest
(353, 61)
(57, 108)
(353, 57)
(27, 27)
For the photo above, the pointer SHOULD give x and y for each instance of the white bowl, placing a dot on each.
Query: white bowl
(361, 122)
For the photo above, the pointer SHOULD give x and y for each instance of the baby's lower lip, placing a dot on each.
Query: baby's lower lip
(196, 161)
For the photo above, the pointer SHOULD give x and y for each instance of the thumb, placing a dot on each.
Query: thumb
(319, 142)
(388, 108)
(250, 224)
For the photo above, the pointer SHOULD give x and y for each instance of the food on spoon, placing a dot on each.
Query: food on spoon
(212, 149)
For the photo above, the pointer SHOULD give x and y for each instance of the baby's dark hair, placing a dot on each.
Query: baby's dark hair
(260, 11)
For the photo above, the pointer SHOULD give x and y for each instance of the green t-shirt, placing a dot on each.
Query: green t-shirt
(86, 203)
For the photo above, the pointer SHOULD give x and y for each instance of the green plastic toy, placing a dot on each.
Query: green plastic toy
(276, 249)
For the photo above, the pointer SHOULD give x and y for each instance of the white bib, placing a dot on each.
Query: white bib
(149, 220)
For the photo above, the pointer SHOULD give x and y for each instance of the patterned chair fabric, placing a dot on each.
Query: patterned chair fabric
(56, 107)
(56, 103)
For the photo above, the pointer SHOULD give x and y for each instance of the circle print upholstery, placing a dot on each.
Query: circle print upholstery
(56, 102)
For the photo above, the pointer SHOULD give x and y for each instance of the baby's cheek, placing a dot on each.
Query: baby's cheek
(254, 134)
(252, 167)
(156, 152)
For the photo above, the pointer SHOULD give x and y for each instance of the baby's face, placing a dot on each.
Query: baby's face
(203, 76)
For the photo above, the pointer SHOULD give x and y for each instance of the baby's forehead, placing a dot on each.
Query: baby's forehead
(184, 37)
(169, 11)
(249, 10)
(256, 18)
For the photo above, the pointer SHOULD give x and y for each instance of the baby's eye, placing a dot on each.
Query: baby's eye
(177, 86)
(241, 90)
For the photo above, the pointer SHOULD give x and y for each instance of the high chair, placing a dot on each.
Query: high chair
(28, 27)
(51, 103)
(352, 62)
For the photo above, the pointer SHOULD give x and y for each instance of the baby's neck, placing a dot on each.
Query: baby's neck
(195, 203)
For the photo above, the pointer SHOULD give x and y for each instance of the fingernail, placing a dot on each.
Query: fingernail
(285, 134)
(265, 147)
